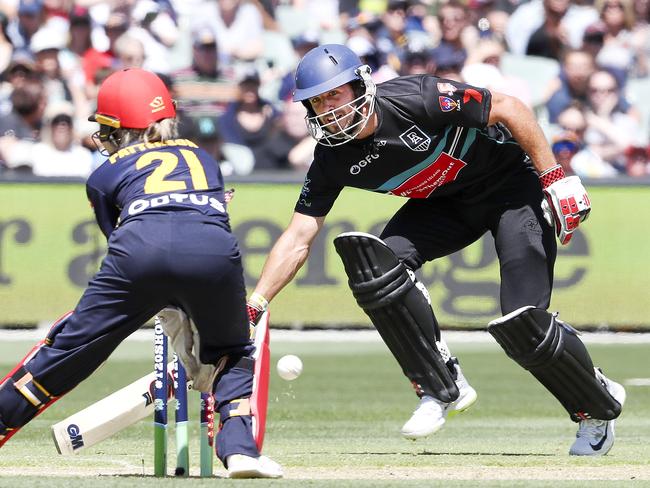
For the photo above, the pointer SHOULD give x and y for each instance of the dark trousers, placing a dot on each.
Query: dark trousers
(426, 229)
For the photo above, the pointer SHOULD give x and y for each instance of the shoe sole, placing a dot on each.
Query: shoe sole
(423, 433)
(467, 401)
(251, 473)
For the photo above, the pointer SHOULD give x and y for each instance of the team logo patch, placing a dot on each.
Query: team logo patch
(448, 104)
(415, 139)
(443, 170)
(157, 104)
(446, 88)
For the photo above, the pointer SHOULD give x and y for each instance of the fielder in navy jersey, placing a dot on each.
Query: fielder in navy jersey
(160, 202)
(469, 161)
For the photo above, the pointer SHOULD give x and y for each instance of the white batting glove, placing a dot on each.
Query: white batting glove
(566, 203)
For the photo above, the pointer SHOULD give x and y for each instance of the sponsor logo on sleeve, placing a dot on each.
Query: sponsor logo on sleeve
(446, 88)
(471, 94)
(415, 139)
(448, 104)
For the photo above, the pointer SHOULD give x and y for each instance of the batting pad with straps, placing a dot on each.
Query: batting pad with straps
(22, 397)
(386, 291)
(551, 350)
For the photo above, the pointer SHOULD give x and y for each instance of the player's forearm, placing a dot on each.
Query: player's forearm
(521, 122)
(282, 264)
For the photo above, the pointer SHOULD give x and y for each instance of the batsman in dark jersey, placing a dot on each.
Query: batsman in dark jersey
(160, 202)
(470, 162)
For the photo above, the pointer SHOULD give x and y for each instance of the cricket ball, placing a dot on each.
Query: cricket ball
(289, 367)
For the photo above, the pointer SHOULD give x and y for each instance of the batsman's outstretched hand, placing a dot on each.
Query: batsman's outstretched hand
(255, 306)
(566, 203)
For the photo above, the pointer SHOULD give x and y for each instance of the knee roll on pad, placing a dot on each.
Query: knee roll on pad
(552, 352)
(384, 289)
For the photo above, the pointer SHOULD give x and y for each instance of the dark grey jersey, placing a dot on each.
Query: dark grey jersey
(432, 141)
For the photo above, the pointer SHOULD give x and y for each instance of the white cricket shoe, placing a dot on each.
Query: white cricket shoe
(242, 466)
(431, 414)
(596, 437)
(467, 395)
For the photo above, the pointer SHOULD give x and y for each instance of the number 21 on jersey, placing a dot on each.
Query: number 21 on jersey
(167, 162)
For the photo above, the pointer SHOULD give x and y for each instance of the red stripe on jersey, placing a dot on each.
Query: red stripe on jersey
(443, 170)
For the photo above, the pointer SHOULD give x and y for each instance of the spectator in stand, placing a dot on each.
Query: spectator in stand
(637, 161)
(611, 129)
(292, 147)
(81, 45)
(302, 44)
(249, 121)
(29, 19)
(159, 18)
(641, 33)
(238, 26)
(550, 38)
(155, 29)
(21, 128)
(392, 36)
(483, 68)
(129, 51)
(572, 83)
(370, 55)
(203, 88)
(491, 17)
(451, 53)
(593, 39)
(571, 151)
(46, 44)
(620, 51)
(449, 62)
(21, 67)
(116, 25)
(59, 153)
(232, 158)
(530, 16)
(417, 62)
(6, 48)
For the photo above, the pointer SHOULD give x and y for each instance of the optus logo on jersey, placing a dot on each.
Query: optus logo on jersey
(355, 169)
(140, 205)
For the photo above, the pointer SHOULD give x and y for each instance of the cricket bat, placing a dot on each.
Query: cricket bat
(109, 415)
(260, 396)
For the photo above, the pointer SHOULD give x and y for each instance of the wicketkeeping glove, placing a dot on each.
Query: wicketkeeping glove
(566, 203)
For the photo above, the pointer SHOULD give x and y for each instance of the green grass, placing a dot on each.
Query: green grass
(338, 425)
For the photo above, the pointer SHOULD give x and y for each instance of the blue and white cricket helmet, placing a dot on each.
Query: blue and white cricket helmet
(322, 69)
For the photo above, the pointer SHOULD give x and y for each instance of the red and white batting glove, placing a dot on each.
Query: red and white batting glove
(228, 195)
(566, 202)
(255, 306)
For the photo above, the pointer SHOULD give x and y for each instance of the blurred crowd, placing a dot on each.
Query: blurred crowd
(582, 65)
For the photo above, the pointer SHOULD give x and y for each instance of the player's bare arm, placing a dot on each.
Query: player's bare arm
(521, 122)
(288, 254)
(566, 203)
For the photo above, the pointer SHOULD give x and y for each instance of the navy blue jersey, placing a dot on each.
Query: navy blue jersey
(157, 177)
(432, 140)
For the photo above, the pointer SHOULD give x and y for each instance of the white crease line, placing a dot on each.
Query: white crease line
(637, 382)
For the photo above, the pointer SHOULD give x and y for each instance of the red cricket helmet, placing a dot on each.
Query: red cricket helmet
(133, 99)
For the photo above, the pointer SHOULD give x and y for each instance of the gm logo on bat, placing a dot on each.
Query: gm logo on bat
(76, 439)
